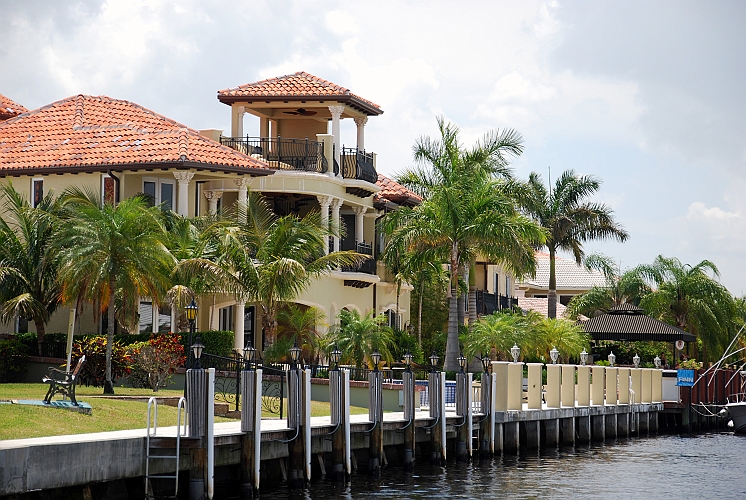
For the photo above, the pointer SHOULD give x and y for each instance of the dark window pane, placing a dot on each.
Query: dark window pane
(167, 196)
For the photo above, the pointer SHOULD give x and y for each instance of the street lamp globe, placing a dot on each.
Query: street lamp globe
(335, 356)
(486, 363)
(191, 311)
(583, 357)
(408, 359)
(612, 358)
(657, 362)
(554, 354)
(636, 360)
(376, 356)
(462, 361)
(434, 359)
(515, 351)
(295, 352)
(197, 348)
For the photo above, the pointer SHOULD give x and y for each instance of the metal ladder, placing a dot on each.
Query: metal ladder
(152, 431)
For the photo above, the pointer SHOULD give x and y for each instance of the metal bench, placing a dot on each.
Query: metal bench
(63, 382)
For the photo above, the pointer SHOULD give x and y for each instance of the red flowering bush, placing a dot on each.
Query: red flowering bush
(94, 370)
(154, 362)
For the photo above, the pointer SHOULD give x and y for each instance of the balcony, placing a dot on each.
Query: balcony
(368, 266)
(357, 164)
(489, 303)
(283, 154)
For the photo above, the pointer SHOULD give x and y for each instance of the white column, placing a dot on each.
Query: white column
(243, 195)
(360, 122)
(238, 328)
(359, 213)
(182, 197)
(238, 123)
(154, 317)
(212, 200)
(174, 320)
(336, 112)
(336, 205)
(325, 202)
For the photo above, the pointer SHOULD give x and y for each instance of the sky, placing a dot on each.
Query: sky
(648, 96)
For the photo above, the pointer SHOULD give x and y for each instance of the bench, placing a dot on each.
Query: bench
(63, 382)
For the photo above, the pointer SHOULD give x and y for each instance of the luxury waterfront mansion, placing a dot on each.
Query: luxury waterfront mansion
(297, 159)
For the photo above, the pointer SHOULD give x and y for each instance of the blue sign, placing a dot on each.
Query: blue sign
(685, 378)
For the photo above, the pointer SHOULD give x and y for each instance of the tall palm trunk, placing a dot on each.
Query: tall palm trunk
(109, 385)
(40, 330)
(419, 315)
(552, 294)
(452, 350)
(472, 281)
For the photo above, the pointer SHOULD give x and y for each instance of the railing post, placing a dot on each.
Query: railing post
(409, 394)
(375, 415)
(436, 390)
(251, 426)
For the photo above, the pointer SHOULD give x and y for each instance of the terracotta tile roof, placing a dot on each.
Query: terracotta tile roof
(395, 192)
(10, 108)
(101, 132)
(541, 306)
(296, 86)
(570, 276)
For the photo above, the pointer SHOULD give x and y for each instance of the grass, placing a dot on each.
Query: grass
(21, 421)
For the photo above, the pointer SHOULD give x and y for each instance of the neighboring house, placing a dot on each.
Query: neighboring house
(539, 305)
(297, 161)
(572, 279)
(495, 288)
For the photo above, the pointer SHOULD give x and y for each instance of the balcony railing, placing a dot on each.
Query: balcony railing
(368, 266)
(284, 154)
(488, 303)
(357, 164)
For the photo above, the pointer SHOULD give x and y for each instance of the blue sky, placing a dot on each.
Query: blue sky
(648, 96)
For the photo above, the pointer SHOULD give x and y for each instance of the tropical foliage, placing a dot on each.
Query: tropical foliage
(467, 211)
(105, 361)
(152, 363)
(301, 325)
(360, 336)
(110, 256)
(28, 271)
(568, 219)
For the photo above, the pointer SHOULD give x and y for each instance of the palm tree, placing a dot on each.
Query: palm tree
(111, 256)
(568, 219)
(620, 288)
(566, 336)
(359, 336)
(690, 298)
(494, 334)
(28, 285)
(301, 324)
(466, 212)
(269, 259)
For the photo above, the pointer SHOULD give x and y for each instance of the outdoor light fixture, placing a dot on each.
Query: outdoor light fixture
(612, 358)
(636, 361)
(197, 348)
(486, 363)
(408, 360)
(376, 356)
(295, 352)
(249, 352)
(462, 361)
(434, 360)
(554, 354)
(335, 355)
(191, 311)
(583, 357)
(515, 351)
(657, 362)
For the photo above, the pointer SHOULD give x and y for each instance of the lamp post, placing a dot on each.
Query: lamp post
(249, 353)
(515, 351)
(408, 361)
(486, 363)
(434, 359)
(376, 356)
(657, 362)
(191, 315)
(462, 362)
(197, 348)
(335, 356)
(612, 358)
(294, 355)
(583, 357)
(554, 355)
(636, 361)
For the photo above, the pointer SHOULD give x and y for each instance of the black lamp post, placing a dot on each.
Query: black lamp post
(294, 355)
(376, 356)
(335, 356)
(462, 362)
(191, 315)
(408, 360)
(434, 362)
(197, 348)
(249, 353)
(485, 363)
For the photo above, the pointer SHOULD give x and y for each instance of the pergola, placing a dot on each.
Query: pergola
(628, 322)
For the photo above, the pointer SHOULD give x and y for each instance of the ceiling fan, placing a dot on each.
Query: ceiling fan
(300, 112)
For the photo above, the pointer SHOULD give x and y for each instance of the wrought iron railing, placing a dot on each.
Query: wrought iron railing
(488, 303)
(368, 266)
(228, 382)
(357, 164)
(290, 154)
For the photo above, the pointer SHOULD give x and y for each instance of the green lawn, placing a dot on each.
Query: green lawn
(20, 421)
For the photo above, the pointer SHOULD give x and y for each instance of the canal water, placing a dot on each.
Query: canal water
(665, 467)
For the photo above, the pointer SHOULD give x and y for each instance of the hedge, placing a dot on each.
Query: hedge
(13, 360)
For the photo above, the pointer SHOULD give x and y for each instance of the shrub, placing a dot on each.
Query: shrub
(403, 342)
(94, 349)
(217, 342)
(13, 360)
(153, 362)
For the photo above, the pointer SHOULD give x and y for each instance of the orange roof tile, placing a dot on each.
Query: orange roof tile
(541, 306)
(9, 108)
(300, 85)
(98, 132)
(393, 191)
